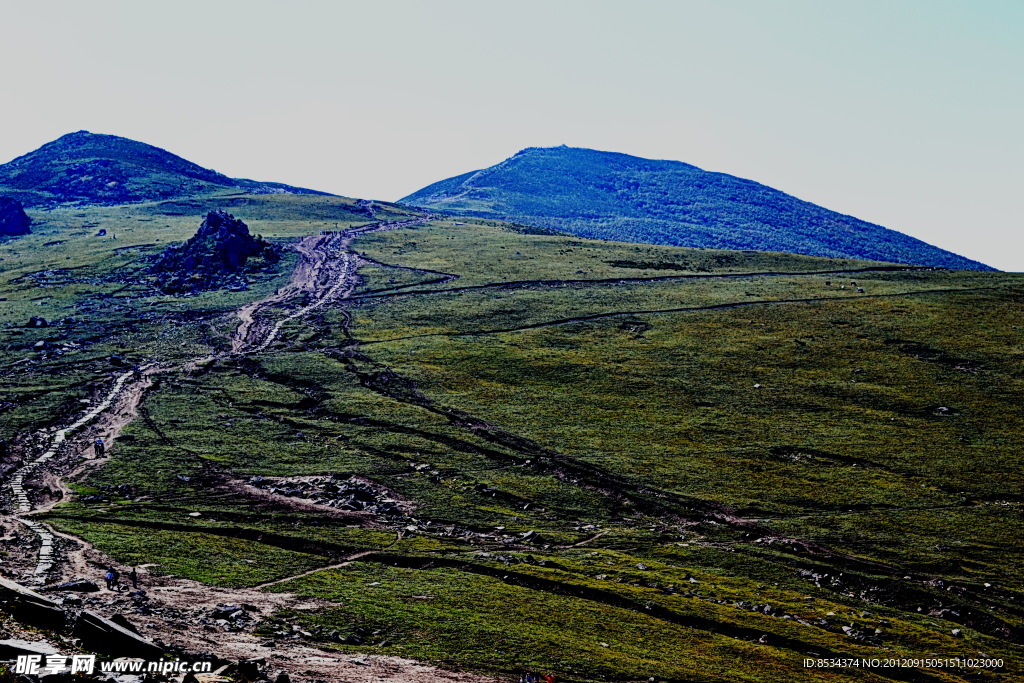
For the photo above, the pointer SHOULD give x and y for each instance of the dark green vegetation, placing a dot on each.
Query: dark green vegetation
(619, 197)
(610, 461)
(101, 307)
(87, 168)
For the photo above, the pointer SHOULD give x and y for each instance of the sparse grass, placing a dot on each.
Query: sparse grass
(479, 622)
(212, 559)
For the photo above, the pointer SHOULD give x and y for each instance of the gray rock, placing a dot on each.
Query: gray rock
(107, 637)
(30, 607)
(79, 585)
(122, 620)
(11, 649)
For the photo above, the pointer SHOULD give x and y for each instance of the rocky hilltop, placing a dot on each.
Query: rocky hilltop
(88, 168)
(13, 219)
(219, 255)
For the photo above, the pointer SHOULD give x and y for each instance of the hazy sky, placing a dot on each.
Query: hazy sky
(907, 113)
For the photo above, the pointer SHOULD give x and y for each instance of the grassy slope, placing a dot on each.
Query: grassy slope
(64, 270)
(842, 444)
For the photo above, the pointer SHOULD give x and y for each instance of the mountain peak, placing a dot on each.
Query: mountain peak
(609, 195)
(95, 168)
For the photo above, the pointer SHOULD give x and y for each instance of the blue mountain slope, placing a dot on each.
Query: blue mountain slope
(614, 196)
(88, 168)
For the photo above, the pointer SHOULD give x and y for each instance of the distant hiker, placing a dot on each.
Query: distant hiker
(134, 576)
(99, 448)
(137, 371)
(110, 576)
(549, 678)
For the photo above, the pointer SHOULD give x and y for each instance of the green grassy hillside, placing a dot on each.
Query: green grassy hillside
(609, 461)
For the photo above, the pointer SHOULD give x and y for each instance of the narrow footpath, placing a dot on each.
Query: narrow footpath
(326, 272)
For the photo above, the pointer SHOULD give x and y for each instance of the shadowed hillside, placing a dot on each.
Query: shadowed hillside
(613, 196)
(88, 168)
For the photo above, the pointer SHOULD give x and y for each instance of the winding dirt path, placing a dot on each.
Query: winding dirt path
(325, 272)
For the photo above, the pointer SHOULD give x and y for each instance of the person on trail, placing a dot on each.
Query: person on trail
(134, 576)
(137, 371)
(99, 448)
(110, 578)
(549, 678)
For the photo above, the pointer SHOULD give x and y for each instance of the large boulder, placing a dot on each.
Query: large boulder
(30, 607)
(13, 219)
(78, 584)
(105, 636)
(13, 648)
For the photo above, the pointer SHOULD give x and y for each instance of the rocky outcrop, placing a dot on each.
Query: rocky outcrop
(30, 607)
(219, 255)
(96, 633)
(103, 635)
(13, 219)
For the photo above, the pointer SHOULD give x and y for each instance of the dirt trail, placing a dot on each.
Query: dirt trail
(348, 560)
(326, 271)
(313, 254)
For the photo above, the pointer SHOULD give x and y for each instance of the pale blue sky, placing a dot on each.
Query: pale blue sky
(907, 113)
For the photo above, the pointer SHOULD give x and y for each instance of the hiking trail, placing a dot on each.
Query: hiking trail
(326, 271)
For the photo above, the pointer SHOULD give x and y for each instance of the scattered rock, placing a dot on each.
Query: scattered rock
(336, 491)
